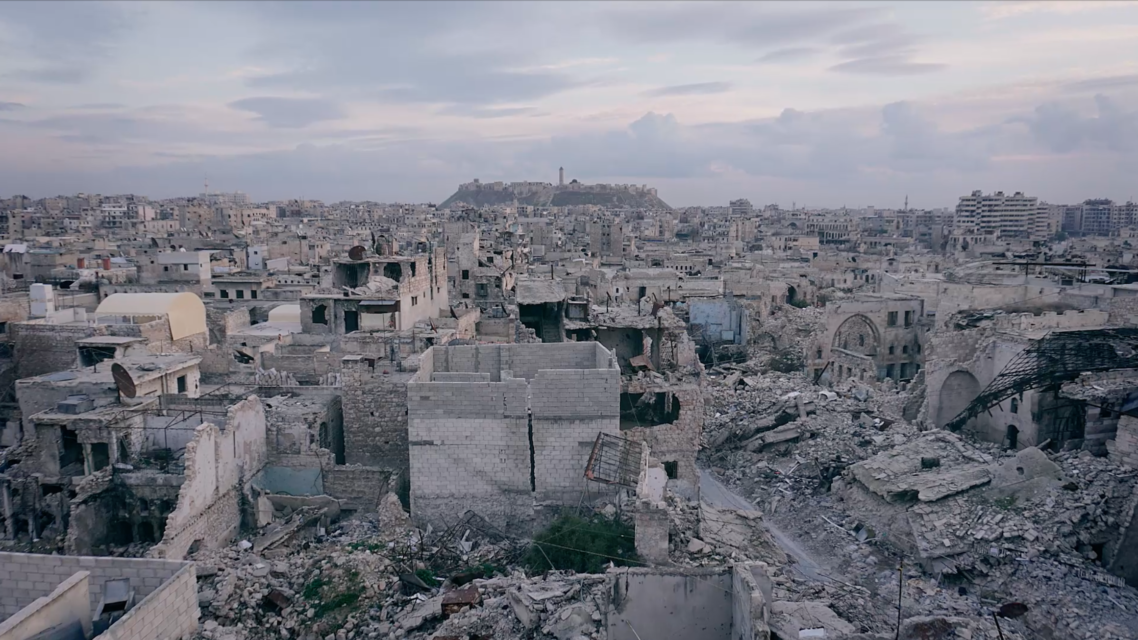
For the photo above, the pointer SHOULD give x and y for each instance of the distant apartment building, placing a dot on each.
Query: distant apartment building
(741, 208)
(1098, 217)
(996, 216)
(606, 238)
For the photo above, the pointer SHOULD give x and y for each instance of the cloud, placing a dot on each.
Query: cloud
(290, 113)
(10, 106)
(789, 54)
(67, 43)
(879, 49)
(470, 111)
(1003, 10)
(93, 106)
(701, 88)
(1063, 130)
(1100, 84)
(887, 66)
(739, 23)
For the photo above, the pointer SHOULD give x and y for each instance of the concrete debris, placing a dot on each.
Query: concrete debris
(862, 489)
(789, 619)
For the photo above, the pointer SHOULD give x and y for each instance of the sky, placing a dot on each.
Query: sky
(822, 104)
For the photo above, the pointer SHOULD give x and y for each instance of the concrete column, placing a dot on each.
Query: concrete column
(87, 469)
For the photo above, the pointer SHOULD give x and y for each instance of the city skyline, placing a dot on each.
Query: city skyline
(826, 104)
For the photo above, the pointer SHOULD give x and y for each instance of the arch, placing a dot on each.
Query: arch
(791, 294)
(960, 388)
(857, 333)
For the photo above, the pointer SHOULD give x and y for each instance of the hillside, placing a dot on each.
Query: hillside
(601, 195)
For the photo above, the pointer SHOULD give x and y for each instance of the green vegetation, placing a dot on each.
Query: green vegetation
(329, 596)
(582, 545)
(799, 303)
(312, 589)
(427, 577)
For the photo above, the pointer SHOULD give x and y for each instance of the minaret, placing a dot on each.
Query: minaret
(561, 177)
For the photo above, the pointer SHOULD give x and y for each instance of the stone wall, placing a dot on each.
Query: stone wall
(471, 435)
(1123, 449)
(677, 441)
(357, 487)
(44, 348)
(165, 590)
(220, 466)
(375, 414)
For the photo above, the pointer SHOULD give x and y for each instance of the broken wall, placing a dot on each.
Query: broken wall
(675, 442)
(694, 604)
(24, 577)
(220, 465)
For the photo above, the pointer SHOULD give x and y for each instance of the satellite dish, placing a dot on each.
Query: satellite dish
(356, 252)
(123, 381)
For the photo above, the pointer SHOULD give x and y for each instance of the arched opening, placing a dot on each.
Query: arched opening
(791, 294)
(1012, 436)
(146, 533)
(959, 389)
(320, 314)
(858, 334)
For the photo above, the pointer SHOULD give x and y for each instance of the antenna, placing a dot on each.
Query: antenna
(207, 184)
(906, 202)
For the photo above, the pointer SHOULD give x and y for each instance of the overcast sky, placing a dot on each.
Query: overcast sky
(823, 104)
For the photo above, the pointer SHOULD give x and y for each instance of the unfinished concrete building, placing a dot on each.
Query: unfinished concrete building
(871, 337)
(506, 430)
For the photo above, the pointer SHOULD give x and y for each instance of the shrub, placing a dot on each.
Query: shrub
(799, 303)
(582, 545)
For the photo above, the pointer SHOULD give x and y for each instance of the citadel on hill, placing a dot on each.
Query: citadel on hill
(545, 194)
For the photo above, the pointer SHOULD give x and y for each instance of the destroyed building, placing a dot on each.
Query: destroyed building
(871, 337)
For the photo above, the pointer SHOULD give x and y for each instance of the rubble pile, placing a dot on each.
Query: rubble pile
(787, 329)
(376, 576)
(863, 491)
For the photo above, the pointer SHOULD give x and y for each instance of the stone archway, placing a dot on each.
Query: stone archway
(960, 388)
(857, 334)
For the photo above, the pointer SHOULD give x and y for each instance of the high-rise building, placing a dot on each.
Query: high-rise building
(997, 216)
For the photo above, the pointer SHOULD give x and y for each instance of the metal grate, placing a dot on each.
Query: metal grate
(1054, 359)
(615, 460)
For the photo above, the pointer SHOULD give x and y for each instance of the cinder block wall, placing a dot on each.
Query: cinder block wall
(469, 449)
(569, 408)
(24, 577)
(167, 613)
